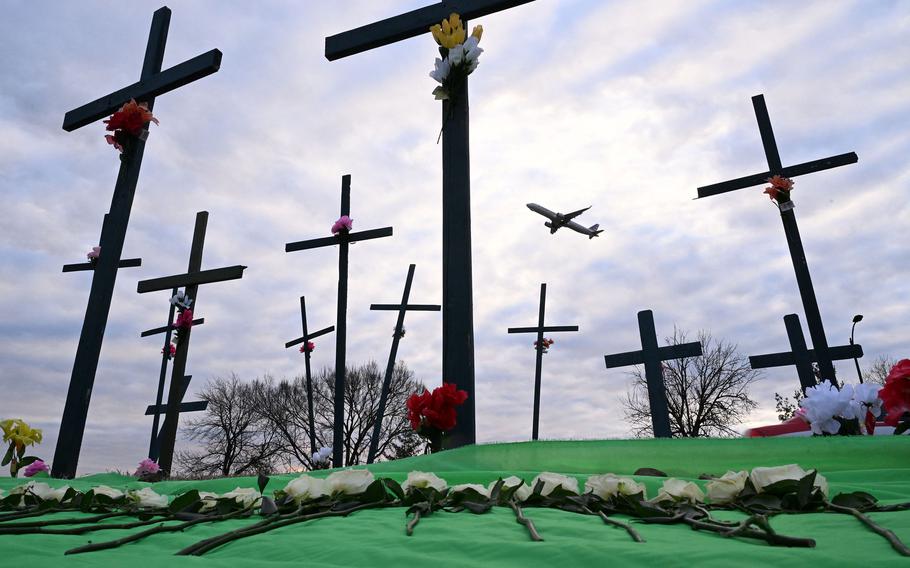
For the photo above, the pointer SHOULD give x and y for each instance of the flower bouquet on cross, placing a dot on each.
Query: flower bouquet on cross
(459, 56)
(433, 414)
(779, 190)
(343, 225)
(93, 255)
(545, 344)
(20, 436)
(308, 347)
(849, 410)
(128, 123)
(184, 320)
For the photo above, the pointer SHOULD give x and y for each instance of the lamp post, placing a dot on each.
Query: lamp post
(856, 319)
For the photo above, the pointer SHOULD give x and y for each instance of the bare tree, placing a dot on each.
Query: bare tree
(230, 433)
(706, 395)
(878, 371)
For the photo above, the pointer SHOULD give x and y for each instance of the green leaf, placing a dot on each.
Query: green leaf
(496, 490)
(782, 487)
(762, 502)
(8, 456)
(262, 481)
(27, 460)
(804, 490)
(902, 427)
(393, 486)
(857, 500)
(185, 501)
(477, 508)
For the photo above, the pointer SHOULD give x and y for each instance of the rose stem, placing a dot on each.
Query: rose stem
(771, 538)
(409, 528)
(896, 543)
(528, 523)
(77, 530)
(69, 521)
(632, 532)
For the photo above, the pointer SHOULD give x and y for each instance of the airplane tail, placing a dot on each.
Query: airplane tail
(594, 231)
(551, 227)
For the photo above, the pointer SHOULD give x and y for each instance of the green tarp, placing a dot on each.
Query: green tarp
(877, 464)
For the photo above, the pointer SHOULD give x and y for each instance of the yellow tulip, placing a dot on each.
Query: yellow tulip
(19, 433)
(477, 32)
(446, 27)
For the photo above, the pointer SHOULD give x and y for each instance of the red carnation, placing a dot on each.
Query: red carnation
(435, 410)
(896, 393)
(128, 122)
(184, 320)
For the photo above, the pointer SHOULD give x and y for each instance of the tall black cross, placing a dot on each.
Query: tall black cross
(156, 410)
(801, 356)
(652, 356)
(401, 308)
(162, 376)
(190, 282)
(90, 265)
(305, 338)
(797, 254)
(343, 239)
(539, 348)
(457, 292)
(152, 82)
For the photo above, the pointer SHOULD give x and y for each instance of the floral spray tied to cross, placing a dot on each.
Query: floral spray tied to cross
(433, 414)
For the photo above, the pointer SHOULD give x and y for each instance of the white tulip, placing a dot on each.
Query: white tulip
(350, 481)
(422, 480)
(728, 487)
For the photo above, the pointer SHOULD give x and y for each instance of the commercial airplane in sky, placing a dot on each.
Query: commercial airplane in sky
(558, 220)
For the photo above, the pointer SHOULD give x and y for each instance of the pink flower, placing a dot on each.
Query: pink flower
(171, 352)
(94, 253)
(147, 467)
(308, 348)
(35, 467)
(184, 320)
(344, 223)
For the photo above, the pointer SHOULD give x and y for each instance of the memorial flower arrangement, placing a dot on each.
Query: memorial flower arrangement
(127, 124)
(896, 396)
(343, 225)
(545, 344)
(184, 320)
(459, 56)
(397, 333)
(169, 351)
(147, 468)
(93, 254)
(758, 495)
(846, 411)
(20, 436)
(308, 347)
(780, 189)
(433, 414)
(321, 457)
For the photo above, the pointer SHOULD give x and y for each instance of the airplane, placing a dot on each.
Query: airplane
(558, 220)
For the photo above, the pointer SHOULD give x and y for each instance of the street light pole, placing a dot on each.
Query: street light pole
(856, 319)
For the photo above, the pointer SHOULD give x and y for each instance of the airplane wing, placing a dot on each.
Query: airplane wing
(574, 214)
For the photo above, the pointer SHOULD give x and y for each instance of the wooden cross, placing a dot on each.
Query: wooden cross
(342, 239)
(162, 376)
(457, 294)
(795, 244)
(539, 348)
(156, 410)
(800, 356)
(401, 308)
(152, 82)
(305, 338)
(652, 356)
(190, 282)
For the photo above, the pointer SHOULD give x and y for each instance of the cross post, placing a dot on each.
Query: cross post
(652, 356)
(343, 240)
(791, 229)
(801, 356)
(539, 348)
(457, 291)
(305, 338)
(190, 282)
(401, 308)
(152, 82)
(157, 410)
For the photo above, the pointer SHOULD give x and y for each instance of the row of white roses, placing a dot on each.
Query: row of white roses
(356, 481)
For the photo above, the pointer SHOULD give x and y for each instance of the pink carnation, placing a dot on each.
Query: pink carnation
(344, 223)
(147, 467)
(94, 253)
(308, 347)
(184, 320)
(35, 467)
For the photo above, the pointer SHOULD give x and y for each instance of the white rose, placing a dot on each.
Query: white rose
(679, 490)
(553, 480)
(821, 483)
(764, 476)
(108, 491)
(422, 480)
(306, 488)
(523, 491)
(350, 481)
(41, 490)
(245, 496)
(725, 489)
(475, 486)
(608, 485)
(147, 498)
(209, 500)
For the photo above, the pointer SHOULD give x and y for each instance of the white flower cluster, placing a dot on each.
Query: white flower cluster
(466, 54)
(145, 498)
(825, 403)
(181, 300)
(322, 454)
(345, 482)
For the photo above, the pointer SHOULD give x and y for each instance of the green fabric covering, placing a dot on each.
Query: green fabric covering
(879, 465)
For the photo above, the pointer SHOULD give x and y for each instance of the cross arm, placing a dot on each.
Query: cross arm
(313, 335)
(789, 171)
(838, 353)
(158, 84)
(408, 307)
(680, 351)
(408, 25)
(338, 239)
(191, 279)
(626, 359)
(166, 328)
(81, 266)
(197, 406)
(552, 328)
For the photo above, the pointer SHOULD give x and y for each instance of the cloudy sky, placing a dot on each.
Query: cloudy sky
(626, 106)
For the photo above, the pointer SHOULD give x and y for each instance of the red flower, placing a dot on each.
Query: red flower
(171, 352)
(780, 188)
(896, 393)
(131, 118)
(308, 347)
(184, 320)
(436, 409)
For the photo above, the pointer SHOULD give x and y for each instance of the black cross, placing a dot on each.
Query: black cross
(309, 381)
(156, 410)
(800, 356)
(162, 376)
(83, 266)
(652, 356)
(540, 330)
(457, 294)
(190, 282)
(152, 82)
(401, 308)
(797, 254)
(343, 239)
